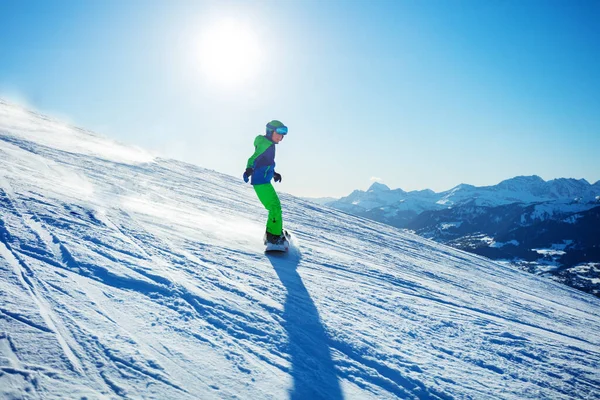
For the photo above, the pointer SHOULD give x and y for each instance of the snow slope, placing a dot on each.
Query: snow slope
(127, 276)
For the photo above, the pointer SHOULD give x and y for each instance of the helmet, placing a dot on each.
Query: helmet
(276, 126)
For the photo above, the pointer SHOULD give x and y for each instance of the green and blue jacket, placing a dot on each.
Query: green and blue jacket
(262, 161)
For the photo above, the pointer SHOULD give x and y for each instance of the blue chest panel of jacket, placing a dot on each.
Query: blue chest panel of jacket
(264, 166)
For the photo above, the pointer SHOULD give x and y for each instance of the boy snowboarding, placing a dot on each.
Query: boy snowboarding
(260, 169)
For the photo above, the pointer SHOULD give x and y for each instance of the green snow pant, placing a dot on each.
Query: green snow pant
(268, 197)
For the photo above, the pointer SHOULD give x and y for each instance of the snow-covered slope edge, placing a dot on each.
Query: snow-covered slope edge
(551, 228)
(145, 278)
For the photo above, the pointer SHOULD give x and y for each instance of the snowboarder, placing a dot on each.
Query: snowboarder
(260, 169)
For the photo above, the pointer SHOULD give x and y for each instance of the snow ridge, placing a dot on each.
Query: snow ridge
(521, 189)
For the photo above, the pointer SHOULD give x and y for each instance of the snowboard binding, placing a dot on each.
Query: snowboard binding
(276, 243)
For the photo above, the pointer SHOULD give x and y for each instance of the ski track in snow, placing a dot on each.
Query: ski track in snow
(132, 279)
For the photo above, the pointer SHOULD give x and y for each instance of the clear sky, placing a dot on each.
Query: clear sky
(418, 94)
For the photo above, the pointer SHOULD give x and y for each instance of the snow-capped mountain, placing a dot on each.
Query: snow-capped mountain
(521, 189)
(126, 276)
(530, 215)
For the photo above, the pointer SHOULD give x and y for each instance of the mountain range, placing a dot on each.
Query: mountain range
(546, 227)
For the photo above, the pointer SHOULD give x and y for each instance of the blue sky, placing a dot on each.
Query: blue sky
(419, 94)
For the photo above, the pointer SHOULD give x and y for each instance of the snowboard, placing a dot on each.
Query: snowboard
(279, 248)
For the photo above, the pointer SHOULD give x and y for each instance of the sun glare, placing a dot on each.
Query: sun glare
(230, 53)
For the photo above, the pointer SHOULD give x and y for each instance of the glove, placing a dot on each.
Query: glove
(277, 177)
(248, 174)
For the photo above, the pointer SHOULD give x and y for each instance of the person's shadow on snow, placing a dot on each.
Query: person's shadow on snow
(313, 370)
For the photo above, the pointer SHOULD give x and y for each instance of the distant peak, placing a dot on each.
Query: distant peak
(525, 179)
(569, 180)
(462, 186)
(378, 187)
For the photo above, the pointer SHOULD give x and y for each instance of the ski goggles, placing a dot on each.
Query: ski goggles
(282, 130)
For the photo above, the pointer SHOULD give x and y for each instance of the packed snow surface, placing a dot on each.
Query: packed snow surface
(128, 276)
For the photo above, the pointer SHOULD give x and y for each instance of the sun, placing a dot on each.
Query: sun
(229, 53)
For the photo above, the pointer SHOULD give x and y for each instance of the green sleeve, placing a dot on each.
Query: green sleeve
(261, 144)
